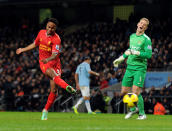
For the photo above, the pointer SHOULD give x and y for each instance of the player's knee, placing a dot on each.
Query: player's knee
(49, 72)
(53, 90)
(136, 90)
(123, 91)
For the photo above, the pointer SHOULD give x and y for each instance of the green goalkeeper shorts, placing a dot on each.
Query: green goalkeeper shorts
(133, 77)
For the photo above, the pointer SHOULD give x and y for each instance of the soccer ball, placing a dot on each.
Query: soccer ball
(130, 99)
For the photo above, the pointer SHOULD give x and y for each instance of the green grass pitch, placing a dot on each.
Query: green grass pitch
(30, 121)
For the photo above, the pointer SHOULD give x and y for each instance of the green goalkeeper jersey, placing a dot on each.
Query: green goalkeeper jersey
(143, 44)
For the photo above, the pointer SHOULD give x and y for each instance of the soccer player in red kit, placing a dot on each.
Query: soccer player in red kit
(49, 50)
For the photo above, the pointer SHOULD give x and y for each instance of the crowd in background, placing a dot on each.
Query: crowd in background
(24, 87)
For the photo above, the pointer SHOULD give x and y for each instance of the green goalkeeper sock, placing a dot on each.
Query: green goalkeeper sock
(133, 109)
(140, 105)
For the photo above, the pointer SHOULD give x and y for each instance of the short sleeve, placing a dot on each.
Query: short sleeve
(37, 40)
(148, 45)
(77, 70)
(147, 49)
(56, 46)
(88, 67)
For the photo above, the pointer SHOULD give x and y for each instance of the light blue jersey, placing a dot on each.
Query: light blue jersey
(82, 71)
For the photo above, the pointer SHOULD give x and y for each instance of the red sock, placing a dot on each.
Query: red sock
(60, 82)
(50, 100)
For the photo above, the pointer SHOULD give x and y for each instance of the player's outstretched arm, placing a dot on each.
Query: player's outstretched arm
(94, 73)
(116, 62)
(29, 47)
(119, 60)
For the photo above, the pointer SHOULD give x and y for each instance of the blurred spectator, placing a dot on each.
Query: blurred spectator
(113, 80)
(103, 83)
(153, 92)
(114, 101)
(107, 101)
(166, 105)
(153, 103)
(2, 100)
(97, 102)
(148, 106)
(159, 109)
(35, 99)
(61, 104)
(144, 93)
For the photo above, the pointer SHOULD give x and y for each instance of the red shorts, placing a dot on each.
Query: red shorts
(56, 68)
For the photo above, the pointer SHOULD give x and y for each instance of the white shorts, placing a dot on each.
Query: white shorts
(85, 91)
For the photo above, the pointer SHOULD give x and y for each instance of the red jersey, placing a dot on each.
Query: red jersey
(47, 46)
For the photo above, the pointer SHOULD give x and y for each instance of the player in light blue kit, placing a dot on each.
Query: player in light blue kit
(82, 79)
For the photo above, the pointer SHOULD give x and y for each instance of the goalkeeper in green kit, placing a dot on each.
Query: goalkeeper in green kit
(139, 51)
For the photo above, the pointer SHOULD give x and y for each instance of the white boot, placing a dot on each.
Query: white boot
(129, 114)
(141, 117)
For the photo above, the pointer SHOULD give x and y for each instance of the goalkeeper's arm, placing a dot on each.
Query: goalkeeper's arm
(116, 62)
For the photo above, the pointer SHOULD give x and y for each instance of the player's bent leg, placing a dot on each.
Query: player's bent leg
(140, 103)
(77, 105)
(53, 86)
(87, 103)
(124, 91)
(136, 90)
(60, 82)
(50, 101)
(44, 115)
(85, 91)
(131, 113)
(127, 82)
(71, 90)
(75, 110)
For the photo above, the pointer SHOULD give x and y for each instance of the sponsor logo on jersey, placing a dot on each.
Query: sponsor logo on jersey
(139, 42)
(135, 48)
(49, 42)
(44, 47)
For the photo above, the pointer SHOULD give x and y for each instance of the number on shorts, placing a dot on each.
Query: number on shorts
(58, 72)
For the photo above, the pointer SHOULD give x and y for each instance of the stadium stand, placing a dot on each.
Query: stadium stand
(24, 88)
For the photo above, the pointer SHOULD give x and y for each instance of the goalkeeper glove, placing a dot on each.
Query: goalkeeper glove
(118, 61)
(134, 52)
